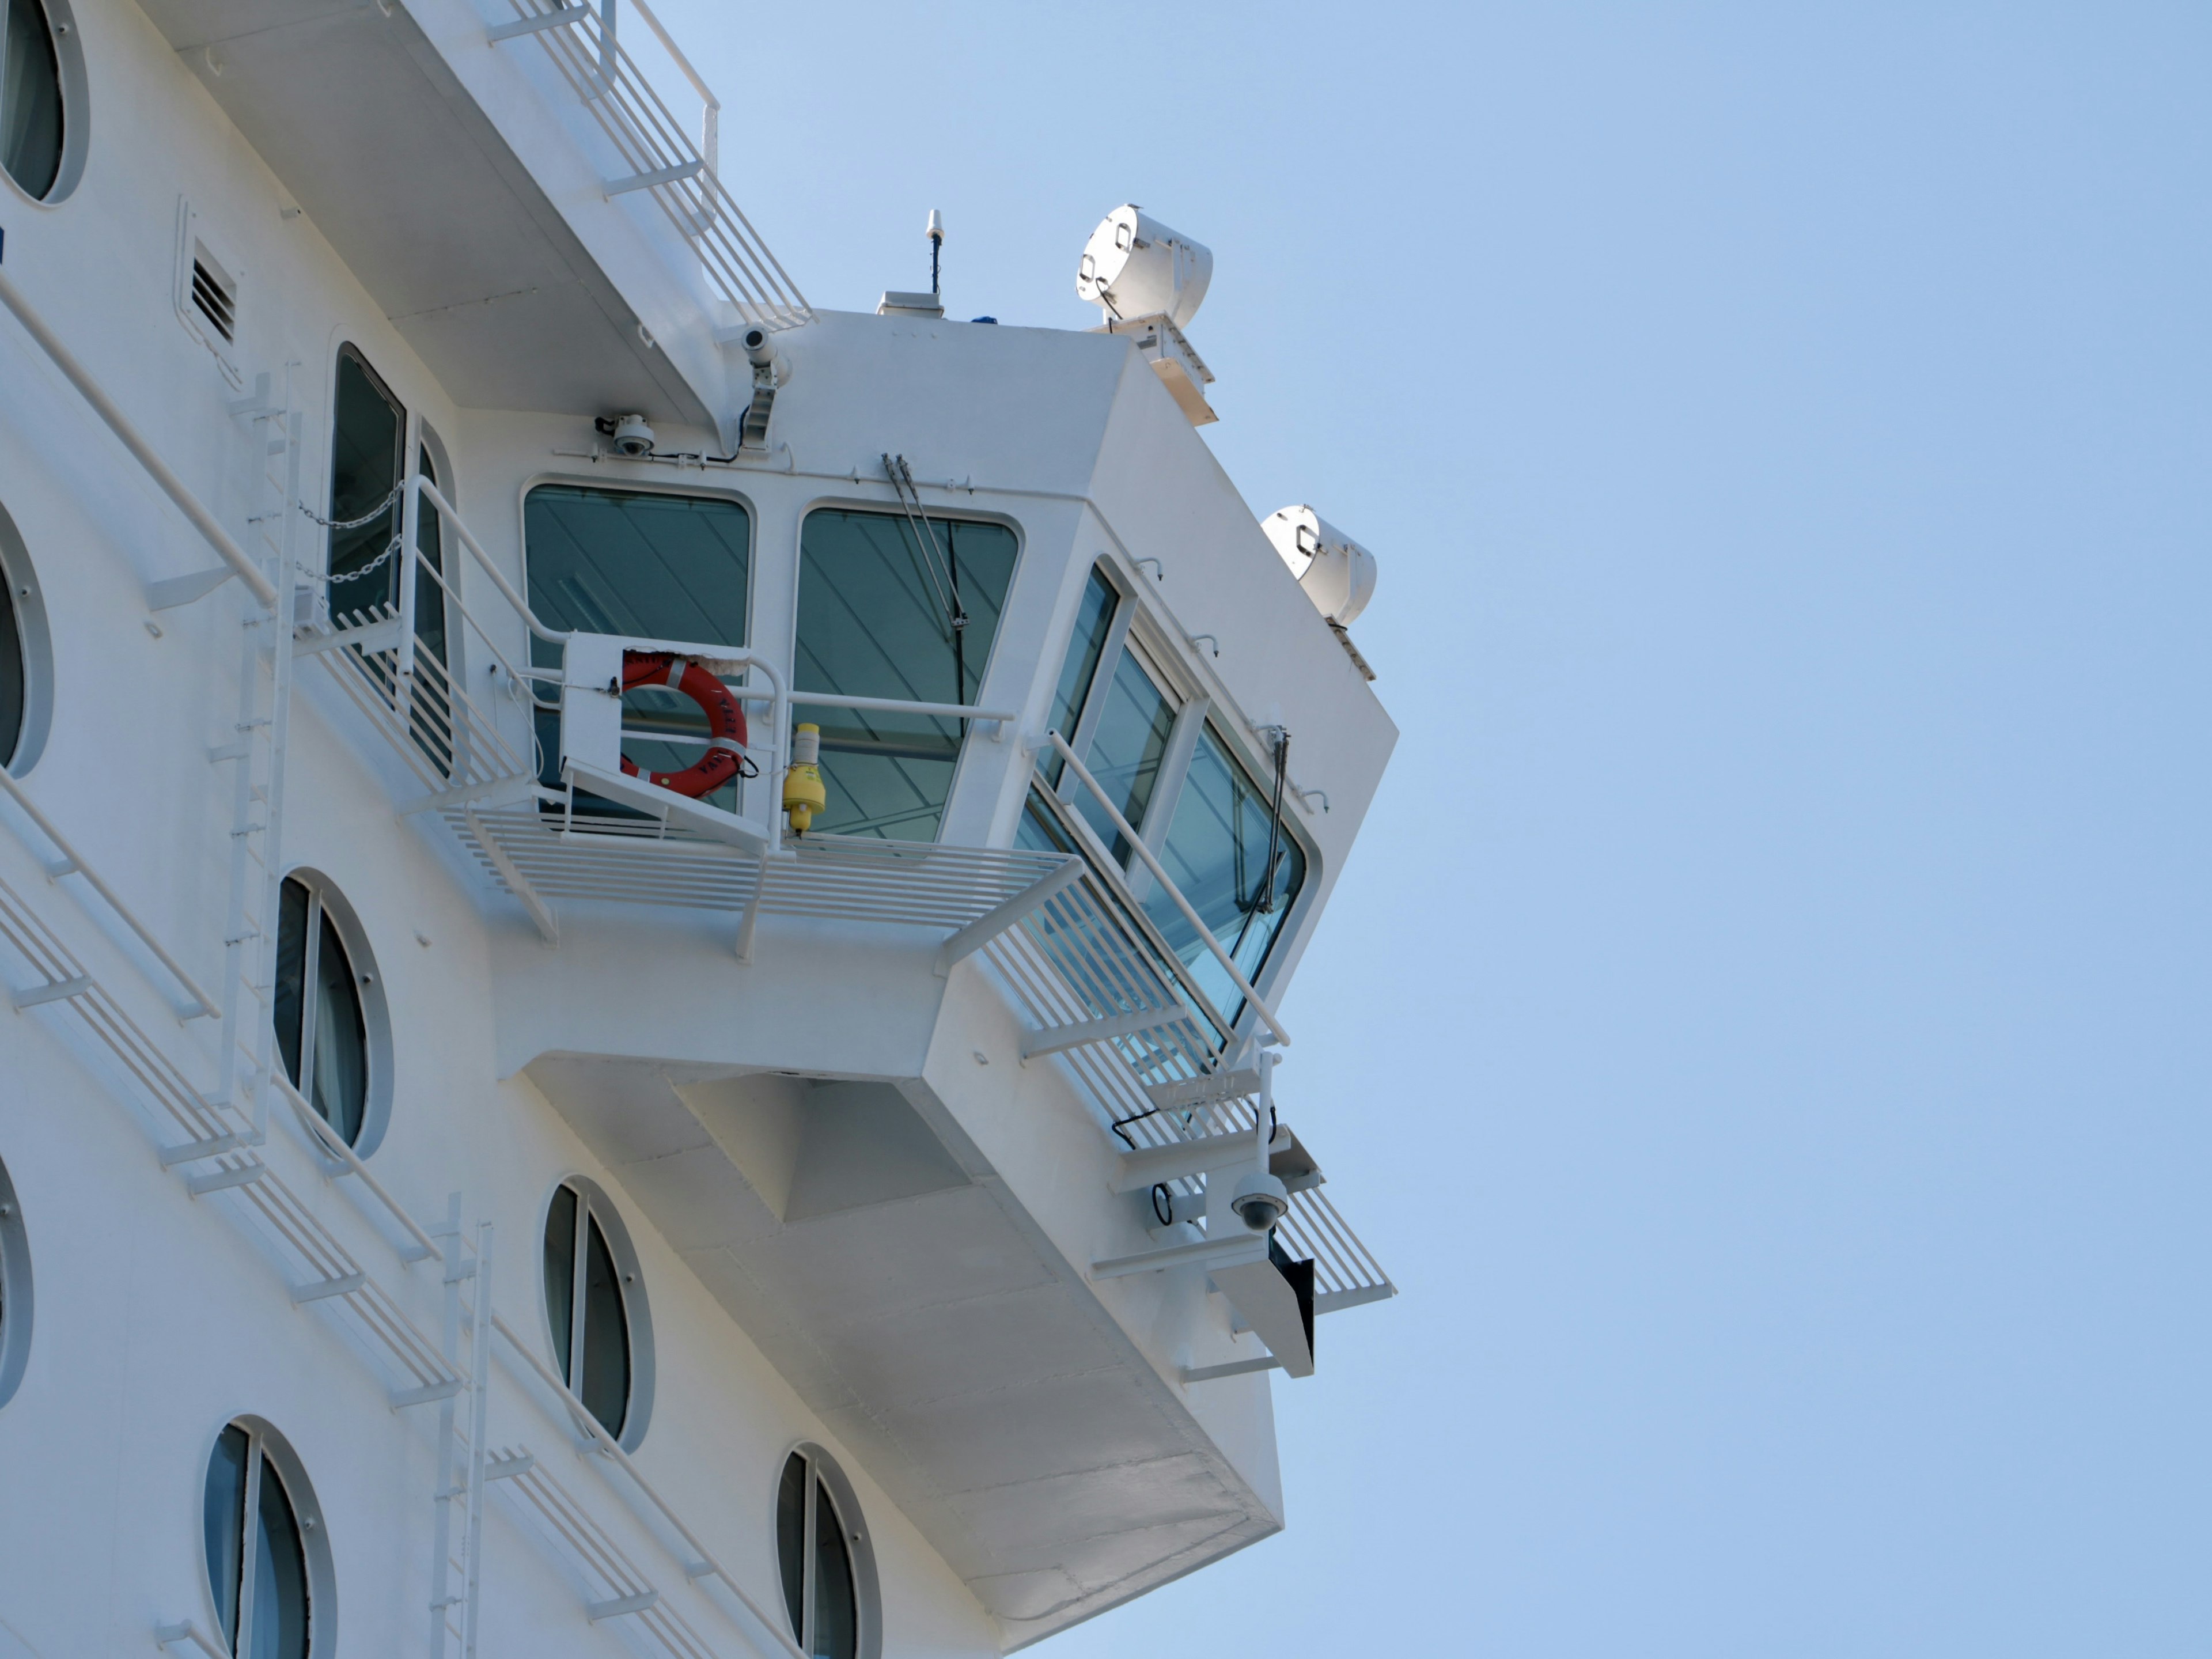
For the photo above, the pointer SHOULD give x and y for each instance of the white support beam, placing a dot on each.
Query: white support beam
(1054, 1038)
(540, 912)
(1203, 1090)
(654, 179)
(988, 926)
(60, 991)
(1265, 1362)
(370, 638)
(621, 1604)
(1151, 1164)
(551, 20)
(1208, 1252)
(344, 1285)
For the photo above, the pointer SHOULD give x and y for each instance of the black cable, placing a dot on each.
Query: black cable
(1160, 1191)
(1263, 899)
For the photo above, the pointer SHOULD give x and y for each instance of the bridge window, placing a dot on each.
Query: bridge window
(826, 1562)
(268, 1561)
(1231, 853)
(30, 99)
(891, 608)
(646, 566)
(595, 1309)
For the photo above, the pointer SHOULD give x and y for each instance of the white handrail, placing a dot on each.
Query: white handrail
(957, 711)
(710, 114)
(331, 1141)
(217, 537)
(551, 635)
(1160, 875)
(206, 1009)
(607, 1443)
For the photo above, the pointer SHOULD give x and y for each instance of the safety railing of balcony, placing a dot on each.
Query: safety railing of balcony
(683, 179)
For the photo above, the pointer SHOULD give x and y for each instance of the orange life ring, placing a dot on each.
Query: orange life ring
(726, 721)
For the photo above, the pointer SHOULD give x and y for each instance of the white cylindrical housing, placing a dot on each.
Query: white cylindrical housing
(1135, 267)
(1336, 572)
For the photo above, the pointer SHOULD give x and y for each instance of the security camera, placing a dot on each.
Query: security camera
(633, 437)
(1261, 1201)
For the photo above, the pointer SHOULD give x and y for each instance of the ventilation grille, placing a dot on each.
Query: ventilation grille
(215, 298)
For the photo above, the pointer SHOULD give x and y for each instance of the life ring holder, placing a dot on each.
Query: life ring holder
(724, 759)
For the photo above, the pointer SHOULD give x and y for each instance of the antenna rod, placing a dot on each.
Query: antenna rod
(936, 245)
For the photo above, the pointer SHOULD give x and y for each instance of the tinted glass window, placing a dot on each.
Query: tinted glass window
(223, 1515)
(1094, 621)
(884, 612)
(1236, 862)
(12, 675)
(815, 1557)
(256, 1560)
(586, 1310)
(280, 1575)
(1125, 747)
(646, 566)
(30, 99)
(791, 1538)
(321, 1029)
(368, 434)
(836, 1611)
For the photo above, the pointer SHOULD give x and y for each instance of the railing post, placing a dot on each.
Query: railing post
(610, 53)
(410, 513)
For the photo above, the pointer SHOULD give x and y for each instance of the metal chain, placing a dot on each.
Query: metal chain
(369, 517)
(373, 565)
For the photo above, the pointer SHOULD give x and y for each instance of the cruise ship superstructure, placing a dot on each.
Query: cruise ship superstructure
(645, 923)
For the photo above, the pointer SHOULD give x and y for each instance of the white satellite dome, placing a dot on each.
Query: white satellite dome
(1135, 267)
(1336, 572)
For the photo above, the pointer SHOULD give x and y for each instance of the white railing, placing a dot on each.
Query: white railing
(203, 1005)
(683, 179)
(1159, 874)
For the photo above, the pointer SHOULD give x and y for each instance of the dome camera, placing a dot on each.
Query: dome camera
(1261, 1201)
(633, 438)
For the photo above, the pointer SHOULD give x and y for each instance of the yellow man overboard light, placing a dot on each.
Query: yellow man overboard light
(802, 793)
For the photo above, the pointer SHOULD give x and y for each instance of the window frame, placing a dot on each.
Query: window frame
(983, 684)
(545, 701)
(325, 900)
(266, 1445)
(66, 38)
(17, 1303)
(25, 603)
(594, 1206)
(1136, 630)
(867, 1589)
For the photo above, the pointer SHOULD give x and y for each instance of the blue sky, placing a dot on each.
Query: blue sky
(1763, 1026)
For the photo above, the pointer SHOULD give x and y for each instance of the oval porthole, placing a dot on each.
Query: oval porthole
(14, 1291)
(333, 1036)
(26, 655)
(269, 1574)
(598, 1324)
(827, 1564)
(41, 98)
